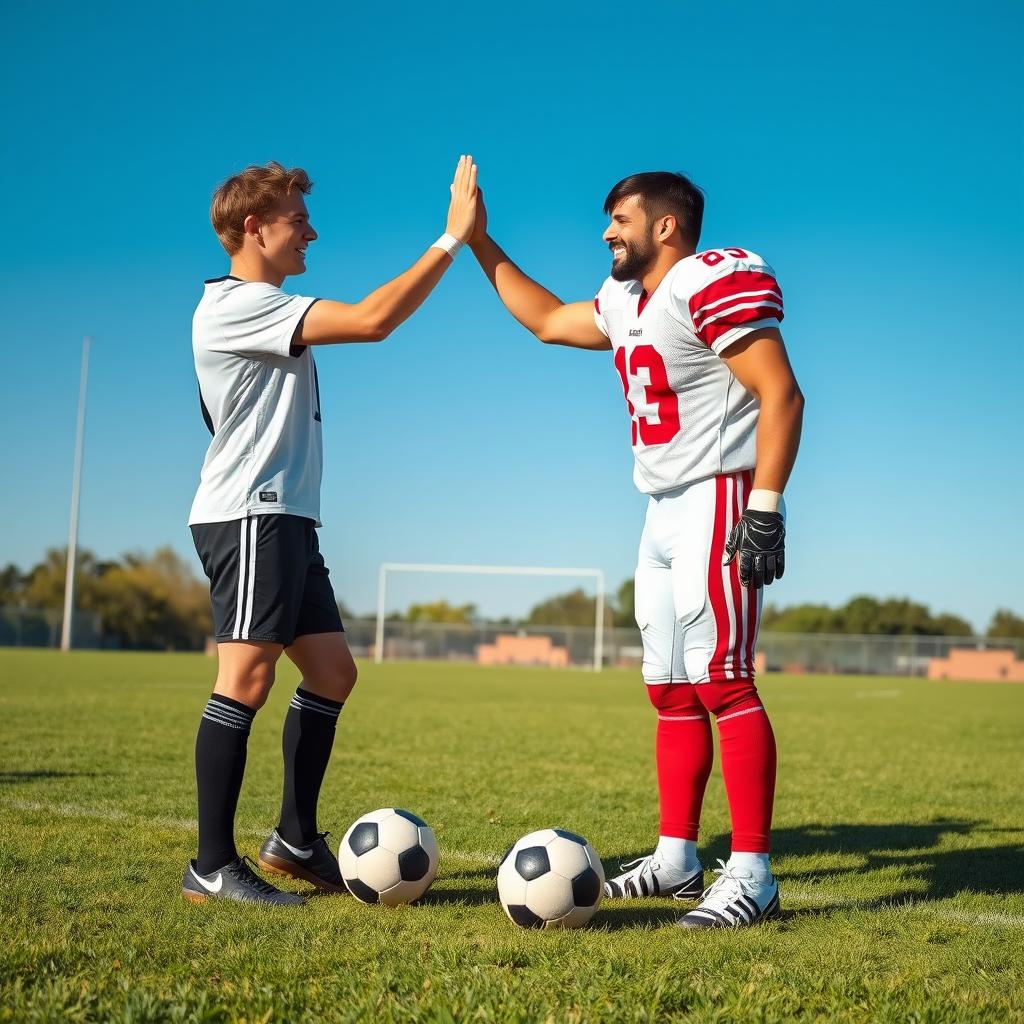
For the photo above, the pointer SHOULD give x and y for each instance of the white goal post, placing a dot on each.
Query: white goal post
(498, 570)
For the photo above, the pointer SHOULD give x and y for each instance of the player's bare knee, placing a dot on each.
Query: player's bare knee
(251, 688)
(345, 678)
(334, 681)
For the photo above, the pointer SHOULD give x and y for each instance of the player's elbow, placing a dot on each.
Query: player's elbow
(375, 328)
(783, 394)
(546, 333)
(377, 332)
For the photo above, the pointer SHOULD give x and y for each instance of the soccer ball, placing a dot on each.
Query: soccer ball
(551, 879)
(388, 856)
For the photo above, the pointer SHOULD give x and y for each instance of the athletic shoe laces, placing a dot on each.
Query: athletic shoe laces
(731, 884)
(636, 867)
(244, 870)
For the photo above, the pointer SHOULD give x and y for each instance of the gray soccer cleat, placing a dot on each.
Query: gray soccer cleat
(645, 876)
(314, 863)
(235, 881)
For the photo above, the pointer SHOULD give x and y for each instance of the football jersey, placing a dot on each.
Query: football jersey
(260, 399)
(691, 418)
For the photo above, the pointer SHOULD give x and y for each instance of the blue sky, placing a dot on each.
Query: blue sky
(872, 154)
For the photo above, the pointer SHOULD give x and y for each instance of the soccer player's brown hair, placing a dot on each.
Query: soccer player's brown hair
(256, 190)
(660, 193)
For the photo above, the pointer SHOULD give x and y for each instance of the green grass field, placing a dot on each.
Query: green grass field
(900, 825)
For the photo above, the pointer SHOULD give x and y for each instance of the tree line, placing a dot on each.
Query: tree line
(156, 602)
(146, 602)
(863, 615)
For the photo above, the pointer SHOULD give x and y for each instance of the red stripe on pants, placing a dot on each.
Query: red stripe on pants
(716, 588)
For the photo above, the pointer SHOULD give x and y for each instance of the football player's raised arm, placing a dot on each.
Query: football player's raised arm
(376, 316)
(538, 310)
(760, 364)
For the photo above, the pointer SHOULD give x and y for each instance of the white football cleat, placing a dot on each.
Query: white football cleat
(736, 899)
(646, 876)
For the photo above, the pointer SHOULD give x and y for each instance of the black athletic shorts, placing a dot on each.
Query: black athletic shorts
(267, 577)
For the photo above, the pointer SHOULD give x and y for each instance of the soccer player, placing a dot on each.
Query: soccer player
(256, 512)
(715, 415)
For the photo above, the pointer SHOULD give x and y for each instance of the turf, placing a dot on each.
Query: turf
(899, 843)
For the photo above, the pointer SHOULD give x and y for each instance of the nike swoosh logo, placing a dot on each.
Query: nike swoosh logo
(301, 854)
(208, 886)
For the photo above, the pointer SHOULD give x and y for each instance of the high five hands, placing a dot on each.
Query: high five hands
(462, 210)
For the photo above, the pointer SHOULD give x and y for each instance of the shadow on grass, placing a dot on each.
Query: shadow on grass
(918, 849)
(17, 778)
(613, 918)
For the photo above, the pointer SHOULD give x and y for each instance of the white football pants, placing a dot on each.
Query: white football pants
(698, 624)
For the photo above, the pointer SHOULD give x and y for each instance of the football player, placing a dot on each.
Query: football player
(256, 512)
(715, 416)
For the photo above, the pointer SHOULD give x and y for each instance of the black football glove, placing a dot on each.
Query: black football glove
(760, 539)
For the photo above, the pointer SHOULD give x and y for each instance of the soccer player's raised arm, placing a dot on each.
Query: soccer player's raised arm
(376, 316)
(538, 310)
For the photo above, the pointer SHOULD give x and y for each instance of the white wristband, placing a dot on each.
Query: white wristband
(764, 501)
(449, 244)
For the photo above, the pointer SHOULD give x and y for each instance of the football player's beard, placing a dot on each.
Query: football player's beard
(635, 263)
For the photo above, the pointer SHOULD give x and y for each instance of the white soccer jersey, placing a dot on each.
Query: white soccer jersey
(261, 401)
(691, 417)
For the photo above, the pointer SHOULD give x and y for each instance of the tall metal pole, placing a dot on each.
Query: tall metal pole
(76, 485)
(599, 626)
(378, 647)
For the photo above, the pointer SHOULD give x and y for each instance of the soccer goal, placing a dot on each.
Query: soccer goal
(392, 568)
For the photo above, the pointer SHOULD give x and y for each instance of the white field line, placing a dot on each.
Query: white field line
(474, 858)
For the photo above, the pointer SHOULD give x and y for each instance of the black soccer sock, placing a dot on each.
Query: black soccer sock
(220, 763)
(306, 743)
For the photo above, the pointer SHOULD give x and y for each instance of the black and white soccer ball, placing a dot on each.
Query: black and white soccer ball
(551, 879)
(388, 856)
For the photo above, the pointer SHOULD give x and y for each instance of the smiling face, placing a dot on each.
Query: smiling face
(285, 234)
(630, 238)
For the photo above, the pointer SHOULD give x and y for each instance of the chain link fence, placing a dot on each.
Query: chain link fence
(782, 652)
(789, 652)
(41, 627)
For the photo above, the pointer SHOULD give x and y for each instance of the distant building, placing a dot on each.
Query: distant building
(970, 665)
(523, 650)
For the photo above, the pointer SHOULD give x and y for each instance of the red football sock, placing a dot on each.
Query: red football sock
(748, 760)
(684, 751)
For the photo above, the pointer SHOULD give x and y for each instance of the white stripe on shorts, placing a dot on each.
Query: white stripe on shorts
(240, 596)
(251, 587)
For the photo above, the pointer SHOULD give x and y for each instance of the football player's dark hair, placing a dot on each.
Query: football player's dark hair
(660, 193)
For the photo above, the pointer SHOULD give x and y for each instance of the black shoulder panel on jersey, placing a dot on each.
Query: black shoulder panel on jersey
(297, 347)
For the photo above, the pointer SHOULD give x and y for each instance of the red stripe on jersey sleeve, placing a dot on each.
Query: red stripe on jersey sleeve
(738, 282)
(741, 287)
(737, 318)
(597, 305)
(761, 296)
